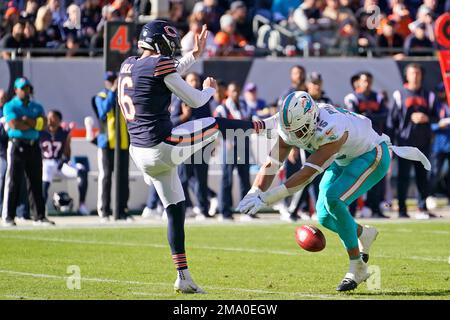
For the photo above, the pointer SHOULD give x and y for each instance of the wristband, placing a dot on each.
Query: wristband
(275, 194)
(39, 124)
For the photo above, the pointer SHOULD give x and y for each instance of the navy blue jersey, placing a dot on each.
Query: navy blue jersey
(400, 125)
(53, 144)
(145, 99)
(372, 106)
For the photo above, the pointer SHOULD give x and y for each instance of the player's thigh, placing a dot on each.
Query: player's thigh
(168, 186)
(49, 170)
(361, 175)
(329, 177)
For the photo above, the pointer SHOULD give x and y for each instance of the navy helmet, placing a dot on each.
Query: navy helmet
(159, 36)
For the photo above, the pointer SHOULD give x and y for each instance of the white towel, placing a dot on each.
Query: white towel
(411, 153)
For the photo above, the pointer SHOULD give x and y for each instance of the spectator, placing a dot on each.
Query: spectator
(72, 26)
(239, 12)
(188, 41)
(104, 104)
(430, 6)
(122, 7)
(314, 85)
(298, 77)
(256, 106)
(400, 14)
(371, 104)
(440, 150)
(10, 19)
(25, 119)
(178, 17)
(15, 40)
(219, 96)
(409, 122)
(228, 40)
(233, 108)
(91, 13)
(31, 8)
(47, 34)
(58, 15)
(213, 12)
(282, 9)
(348, 38)
(199, 12)
(390, 41)
(336, 13)
(306, 16)
(417, 44)
(424, 16)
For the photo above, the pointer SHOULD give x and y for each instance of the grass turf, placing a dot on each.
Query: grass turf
(243, 261)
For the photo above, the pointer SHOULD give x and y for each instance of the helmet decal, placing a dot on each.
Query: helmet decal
(285, 109)
(171, 31)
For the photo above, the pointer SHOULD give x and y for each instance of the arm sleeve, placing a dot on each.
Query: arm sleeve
(9, 113)
(185, 63)
(192, 97)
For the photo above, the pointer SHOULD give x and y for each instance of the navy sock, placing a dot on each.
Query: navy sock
(175, 234)
(233, 124)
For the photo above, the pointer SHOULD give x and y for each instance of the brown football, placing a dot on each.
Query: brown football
(310, 238)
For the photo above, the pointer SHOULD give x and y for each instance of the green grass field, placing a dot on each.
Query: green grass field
(242, 261)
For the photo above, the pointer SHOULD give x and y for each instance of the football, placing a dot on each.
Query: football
(310, 238)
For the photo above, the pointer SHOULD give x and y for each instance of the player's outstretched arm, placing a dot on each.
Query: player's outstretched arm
(266, 174)
(314, 165)
(192, 97)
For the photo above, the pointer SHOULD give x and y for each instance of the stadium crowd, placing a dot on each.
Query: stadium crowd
(251, 27)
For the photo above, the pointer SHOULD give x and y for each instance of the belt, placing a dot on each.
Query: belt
(24, 141)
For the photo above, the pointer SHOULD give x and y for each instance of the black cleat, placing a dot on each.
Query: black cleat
(347, 285)
(364, 257)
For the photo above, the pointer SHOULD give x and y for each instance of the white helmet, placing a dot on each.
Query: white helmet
(298, 115)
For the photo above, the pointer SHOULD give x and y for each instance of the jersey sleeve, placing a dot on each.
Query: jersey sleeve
(164, 67)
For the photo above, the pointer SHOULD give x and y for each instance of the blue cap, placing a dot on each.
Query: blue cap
(109, 75)
(20, 83)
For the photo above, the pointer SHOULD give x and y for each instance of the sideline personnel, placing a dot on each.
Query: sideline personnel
(25, 119)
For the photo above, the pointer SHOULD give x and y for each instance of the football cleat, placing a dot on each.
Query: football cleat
(367, 237)
(185, 284)
(357, 274)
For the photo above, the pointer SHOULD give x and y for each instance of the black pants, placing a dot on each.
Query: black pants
(24, 159)
(106, 167)
(437, 171)
(422, 182)
(199, 174)
(375, 196)
(226, 188)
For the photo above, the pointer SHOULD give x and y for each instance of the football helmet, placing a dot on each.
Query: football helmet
(298, 115)
(62, 201)
(159, 36)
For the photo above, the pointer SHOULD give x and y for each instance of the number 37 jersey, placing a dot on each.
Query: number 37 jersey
(145, 99)
(332, 123)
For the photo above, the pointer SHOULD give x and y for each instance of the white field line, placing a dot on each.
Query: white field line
(229, 249)
(105, 280)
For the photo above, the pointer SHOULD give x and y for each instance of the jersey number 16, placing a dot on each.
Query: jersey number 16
(125, 102)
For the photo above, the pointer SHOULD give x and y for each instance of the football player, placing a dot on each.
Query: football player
(146, 83)
(354, 158)
(55, 146)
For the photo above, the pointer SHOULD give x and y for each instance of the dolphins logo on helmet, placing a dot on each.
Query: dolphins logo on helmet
(298, 115)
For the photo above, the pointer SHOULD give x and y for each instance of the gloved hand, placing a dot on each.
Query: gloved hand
(248, 203)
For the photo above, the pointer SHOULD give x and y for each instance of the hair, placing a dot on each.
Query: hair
(57, 113)
(41, 14)
(297, 66)
(367, 74)
(193, 73)
(414, 65)
(353, 79)
(234, 83)
(221, 83)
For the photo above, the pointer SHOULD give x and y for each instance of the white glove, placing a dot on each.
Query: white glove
(247, 202)
(252, 205)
